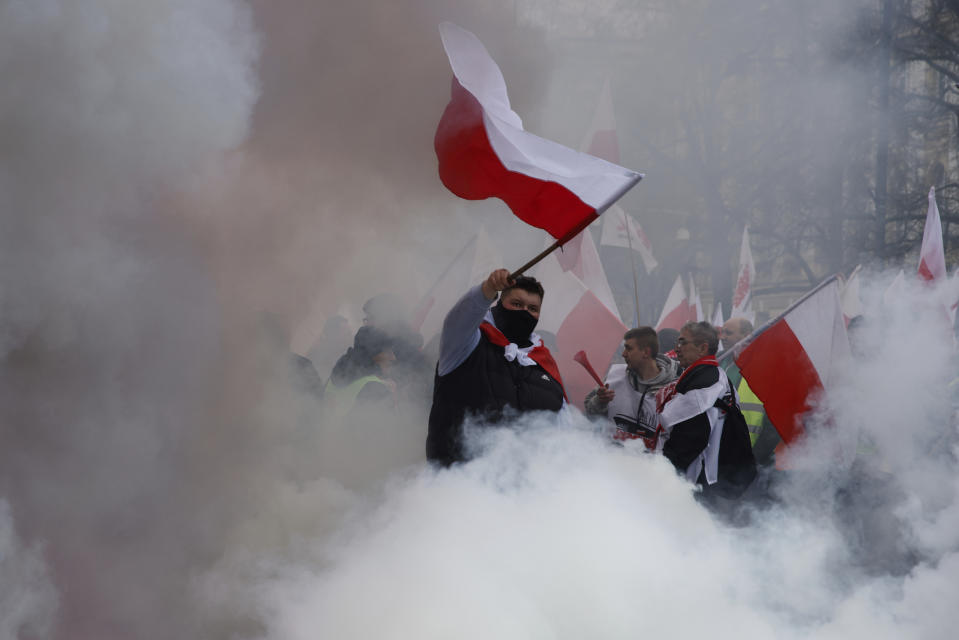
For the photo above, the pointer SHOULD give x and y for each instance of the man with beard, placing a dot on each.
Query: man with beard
(705, 434)
(628, 398)
(491, 364)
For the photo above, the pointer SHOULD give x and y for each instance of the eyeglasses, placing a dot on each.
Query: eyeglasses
(681, 342)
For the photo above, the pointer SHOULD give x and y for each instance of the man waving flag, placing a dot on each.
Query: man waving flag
(484, 152)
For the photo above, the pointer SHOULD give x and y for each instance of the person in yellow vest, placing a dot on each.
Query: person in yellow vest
(361, 377)
(762, 433)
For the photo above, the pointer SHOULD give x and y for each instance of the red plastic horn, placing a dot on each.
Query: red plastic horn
(581, 358)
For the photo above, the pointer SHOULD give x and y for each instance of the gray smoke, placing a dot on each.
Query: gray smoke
(169, 171)
(110, 322)
(555, 533)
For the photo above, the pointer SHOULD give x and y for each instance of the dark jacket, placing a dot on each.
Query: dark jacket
(488, 386)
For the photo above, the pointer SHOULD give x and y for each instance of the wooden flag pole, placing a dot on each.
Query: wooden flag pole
(553, 247)
(529, 265)
(632, 263)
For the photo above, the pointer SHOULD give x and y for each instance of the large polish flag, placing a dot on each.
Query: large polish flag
(676, 311)
(484, 152)
(932, 257)
(795, 357)
(580, 321)
(743, 293)
(621, 230)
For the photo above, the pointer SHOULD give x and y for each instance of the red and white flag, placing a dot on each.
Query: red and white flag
(718, 320)
(695, 302)
(743, 293)
(849, 296)
(932, 258)
(484, 152)
(581, 258)
(580, 321)
(621, 230)
(796, 358)
(676, 311)
(600, 139)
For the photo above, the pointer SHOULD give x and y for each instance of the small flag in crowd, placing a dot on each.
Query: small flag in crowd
(676, 310)
(932, 258)
(580, 321)
(600, 139)
(621, 230)
(580, 257)
(695, 302)
(743, 293)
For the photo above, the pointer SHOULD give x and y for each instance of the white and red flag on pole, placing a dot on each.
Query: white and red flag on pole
(932, 261)
(676, 311)
(743, 293)
(695, 302)
(621, 230)
(795, 357)
(600, 139)
(580, 322)
(484, 152)
(849, 296)
(582, 259)
(932, 257)
(718, 320)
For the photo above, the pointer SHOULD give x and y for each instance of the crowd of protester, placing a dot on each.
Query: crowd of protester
(679, 393)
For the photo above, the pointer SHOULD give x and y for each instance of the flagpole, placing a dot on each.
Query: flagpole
(553, 247)
(632, 263)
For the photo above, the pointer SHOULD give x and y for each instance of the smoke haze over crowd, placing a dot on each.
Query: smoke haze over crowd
(171, 170)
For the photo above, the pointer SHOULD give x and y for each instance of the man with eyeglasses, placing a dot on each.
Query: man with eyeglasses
(704, 433)
(491, 363)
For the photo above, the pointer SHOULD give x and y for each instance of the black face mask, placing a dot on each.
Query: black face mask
(516, 324)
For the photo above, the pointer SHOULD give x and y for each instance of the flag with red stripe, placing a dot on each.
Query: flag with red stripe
(676, 312)
(581, 322)
(484, 152)
(932, 258)
(791, 360)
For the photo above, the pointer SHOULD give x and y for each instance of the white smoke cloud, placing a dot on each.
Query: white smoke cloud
(181, 494)
(28, 599)
(555, 533)
(109, 332)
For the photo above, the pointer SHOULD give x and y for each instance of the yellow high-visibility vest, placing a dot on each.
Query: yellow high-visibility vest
(340, 400)
(752, 408)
